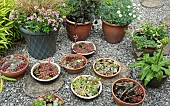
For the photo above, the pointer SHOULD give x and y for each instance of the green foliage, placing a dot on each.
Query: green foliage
(150, 35)
(82, 10)
(9, 32)
(38, 103)
(120, 12)
(154, 66)
(2, 83)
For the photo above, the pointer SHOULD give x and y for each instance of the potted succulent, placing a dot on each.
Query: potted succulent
(86, 86)
(106, 67)
(14, 66)
(48, 100)
(39, 25)
(80, 16)
(128, 92)
(74, 63)
(153, 68)
(116, 16)
(147, 38)
(84, 48)
(2, 78)
(45, 71)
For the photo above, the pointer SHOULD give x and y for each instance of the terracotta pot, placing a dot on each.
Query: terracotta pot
(105, 76)
(45, 80)
(113, 33)
(79, 29)
(77, 70)
(18, 74)
(122, 103)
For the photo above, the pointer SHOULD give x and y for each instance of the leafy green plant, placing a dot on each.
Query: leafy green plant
(2, 78)
(155, 66)
(9, 32)
(38, 103)
(120, 12)
(149, 35)
(82, 11)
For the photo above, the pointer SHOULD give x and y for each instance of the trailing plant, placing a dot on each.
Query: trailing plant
(86, 86)
(48, 100)
(45, 71)
(74, 62)
(2, 78)
(12, 64)
(106, 67)
(9, 32)
(150, 35)
(81, 11)
(155, 66)
(120, 12)
(128, 92)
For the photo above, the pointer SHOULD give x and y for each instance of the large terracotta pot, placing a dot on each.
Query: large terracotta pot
(122, 103)
(19, 73)
(82, 30)
(113, 33)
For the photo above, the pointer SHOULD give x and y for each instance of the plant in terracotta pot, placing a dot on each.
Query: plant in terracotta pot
(39, 24)
(80, 16)
(45, 71)
(74, 63)
(153, 68)
(86, 86)
(116, 16)
(128, 92)
(48, 100)
(106, 67)
(14, 66)
(2, 78)
(147, 38)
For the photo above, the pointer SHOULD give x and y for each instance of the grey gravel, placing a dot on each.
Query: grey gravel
(13, 95)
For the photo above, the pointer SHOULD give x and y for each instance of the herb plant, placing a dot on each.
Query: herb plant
(86, 86)
(45, 71)
(106, 67)
(128, 92)
(153, 66)
(120, 12)
(150, 35)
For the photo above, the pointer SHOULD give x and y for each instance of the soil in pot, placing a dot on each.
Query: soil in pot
(14, 66)
(106, 67)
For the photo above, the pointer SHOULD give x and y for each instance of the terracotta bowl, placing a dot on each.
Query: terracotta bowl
(106, 76)
(83, 97)
(45, 80)
(122, 103)
(18, 74)
(84, 54)
(77, 70)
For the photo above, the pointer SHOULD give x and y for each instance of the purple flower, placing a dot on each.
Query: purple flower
(64, 23)
(35, 15)
(55, 29)
(16, 11)
(49, 21)
(39, 19)
(42, 9)
(12, 17)
(35, 7)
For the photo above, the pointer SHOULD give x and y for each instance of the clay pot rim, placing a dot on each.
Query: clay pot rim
(84, 54)
(45, 80)
(56, 96)
(113, 24)
(83, 97)
(105, 76)
(20, 55)
(71, 22)
(74, 55)
(129, 80)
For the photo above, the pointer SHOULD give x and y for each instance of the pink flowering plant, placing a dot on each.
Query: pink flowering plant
(38, 20)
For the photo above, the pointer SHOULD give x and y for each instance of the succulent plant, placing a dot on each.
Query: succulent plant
(106, 67)
(45, 71)
(83, 47)
(86, 86)
(128, 92)
(13, 64)
(74, 62)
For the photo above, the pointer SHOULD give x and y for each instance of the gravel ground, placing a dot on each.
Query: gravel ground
(13, 95)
